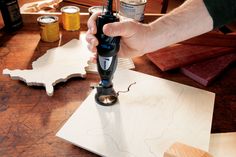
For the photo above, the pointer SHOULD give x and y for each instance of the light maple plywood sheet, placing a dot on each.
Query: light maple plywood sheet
(145, 122)
(223, 145)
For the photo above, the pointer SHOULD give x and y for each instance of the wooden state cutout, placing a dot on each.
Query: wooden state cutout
(56, 65)
(182, 150)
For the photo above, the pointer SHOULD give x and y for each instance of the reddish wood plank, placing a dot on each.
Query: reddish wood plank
(213, 39)
(180, 55)
(205, 72)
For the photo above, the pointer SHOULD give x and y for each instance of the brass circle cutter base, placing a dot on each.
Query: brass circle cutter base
(106, 96)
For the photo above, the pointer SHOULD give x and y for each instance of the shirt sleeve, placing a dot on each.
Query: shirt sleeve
(221, 11)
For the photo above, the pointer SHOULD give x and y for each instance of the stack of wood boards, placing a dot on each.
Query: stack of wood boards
(201, 58)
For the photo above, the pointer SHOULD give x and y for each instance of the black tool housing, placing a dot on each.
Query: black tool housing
(108, 46)
(107, 50)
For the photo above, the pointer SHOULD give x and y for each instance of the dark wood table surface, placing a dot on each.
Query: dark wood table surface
(29, 119)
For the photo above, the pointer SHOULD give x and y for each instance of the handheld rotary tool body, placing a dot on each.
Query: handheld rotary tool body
(107, 50)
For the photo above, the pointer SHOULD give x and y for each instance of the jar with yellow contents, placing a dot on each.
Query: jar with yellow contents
(49, 28)
(71, 18)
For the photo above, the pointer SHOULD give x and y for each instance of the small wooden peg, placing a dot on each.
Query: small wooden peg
(182, 150)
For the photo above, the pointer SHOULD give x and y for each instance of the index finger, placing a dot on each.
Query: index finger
(92, 22)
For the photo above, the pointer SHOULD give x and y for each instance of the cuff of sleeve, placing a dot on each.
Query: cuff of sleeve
(221, 11)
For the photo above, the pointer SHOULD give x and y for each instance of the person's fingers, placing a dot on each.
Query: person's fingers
(91, 39)
(93, 58)
(124, 29)
(92, 48)
(92, 23)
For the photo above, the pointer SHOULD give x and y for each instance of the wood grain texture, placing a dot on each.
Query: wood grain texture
(206, 71)
(182, 150)
(213, 39)
(29, 119)
(180, 55)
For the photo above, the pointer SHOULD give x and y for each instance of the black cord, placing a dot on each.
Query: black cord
(126, 90)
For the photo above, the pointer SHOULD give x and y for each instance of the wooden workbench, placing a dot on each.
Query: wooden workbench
(29, 119)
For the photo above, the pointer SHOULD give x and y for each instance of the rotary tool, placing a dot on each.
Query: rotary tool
(107, 50)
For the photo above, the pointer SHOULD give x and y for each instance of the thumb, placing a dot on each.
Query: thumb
(124, 28)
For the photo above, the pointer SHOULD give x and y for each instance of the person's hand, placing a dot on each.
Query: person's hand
(133, 36)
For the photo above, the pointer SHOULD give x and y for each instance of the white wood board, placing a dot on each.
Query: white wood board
(223, 145)
(146, 121)
(56, 65)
